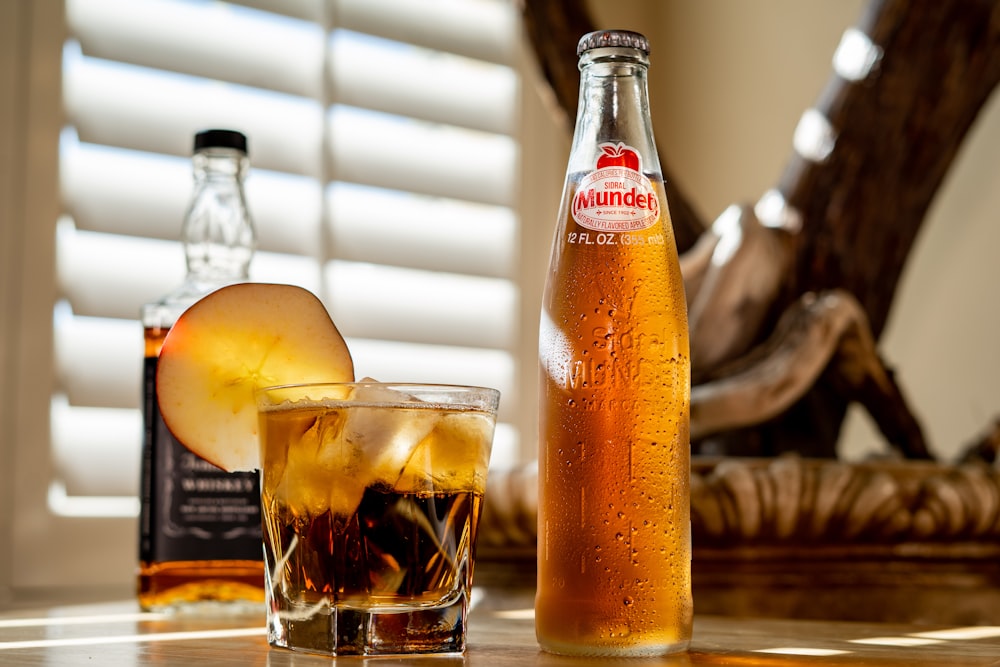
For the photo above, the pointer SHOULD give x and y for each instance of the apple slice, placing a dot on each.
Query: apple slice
(232, 342)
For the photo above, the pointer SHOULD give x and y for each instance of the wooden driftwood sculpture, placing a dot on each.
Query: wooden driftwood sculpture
(787, 297)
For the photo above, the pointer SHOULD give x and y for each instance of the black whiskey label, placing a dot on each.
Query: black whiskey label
(189, 508)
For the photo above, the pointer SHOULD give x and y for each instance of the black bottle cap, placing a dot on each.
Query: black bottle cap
(220, 139)
(600, 39)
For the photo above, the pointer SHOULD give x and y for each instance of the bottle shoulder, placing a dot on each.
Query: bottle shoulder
(163, 312)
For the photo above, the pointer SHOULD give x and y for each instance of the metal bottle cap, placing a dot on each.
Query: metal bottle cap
(600, 39)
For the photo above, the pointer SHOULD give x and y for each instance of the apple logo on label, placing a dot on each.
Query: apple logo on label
(618, 155)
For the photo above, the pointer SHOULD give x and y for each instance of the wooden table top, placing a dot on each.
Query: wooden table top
(501, 635)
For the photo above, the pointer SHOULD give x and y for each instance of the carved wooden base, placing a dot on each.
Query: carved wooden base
(821, 539)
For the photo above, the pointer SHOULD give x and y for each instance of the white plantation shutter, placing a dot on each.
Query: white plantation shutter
(384, 148)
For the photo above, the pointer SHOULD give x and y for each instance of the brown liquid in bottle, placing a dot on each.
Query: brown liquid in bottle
(614, 534)
(180, 583)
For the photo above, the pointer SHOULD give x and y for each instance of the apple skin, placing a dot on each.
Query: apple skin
(618, 155)
(229, 344)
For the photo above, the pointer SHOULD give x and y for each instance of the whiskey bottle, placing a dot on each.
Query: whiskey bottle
(199, 527)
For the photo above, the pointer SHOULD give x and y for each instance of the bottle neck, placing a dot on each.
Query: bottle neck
(220, 163)
(218, 234)
(613, 107)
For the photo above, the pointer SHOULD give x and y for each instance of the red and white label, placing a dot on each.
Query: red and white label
(616, 196)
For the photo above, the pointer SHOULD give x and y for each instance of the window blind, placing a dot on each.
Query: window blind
(384, 152)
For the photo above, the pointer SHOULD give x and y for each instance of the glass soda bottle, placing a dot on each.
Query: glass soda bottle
(614, 533)
(200, 539)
